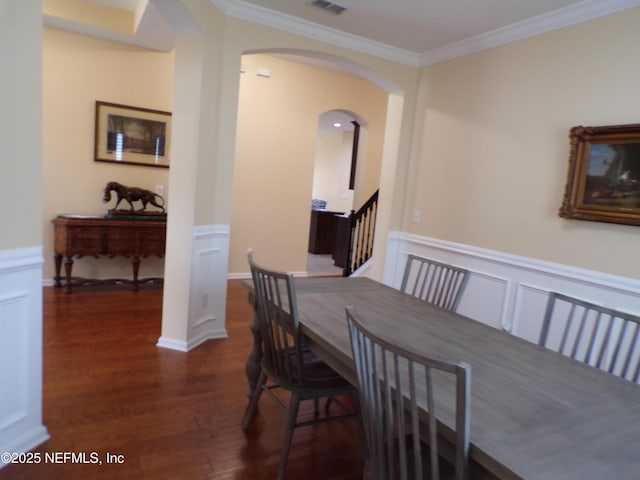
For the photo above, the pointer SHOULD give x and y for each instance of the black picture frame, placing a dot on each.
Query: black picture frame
(132, 135)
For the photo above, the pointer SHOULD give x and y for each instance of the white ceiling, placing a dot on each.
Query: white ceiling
(417, 26)
(130, 5)
(335, 120)
(414, 32)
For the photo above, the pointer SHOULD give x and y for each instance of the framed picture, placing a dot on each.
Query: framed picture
(132, 135)
(603, 183)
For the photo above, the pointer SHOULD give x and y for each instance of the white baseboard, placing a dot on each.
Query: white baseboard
(193, 342)
(26, 442)
(172, 344)
(239, 276)
(363, 269)
(509, 291)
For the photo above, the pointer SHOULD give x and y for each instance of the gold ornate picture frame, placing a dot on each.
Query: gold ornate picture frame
(603, 182)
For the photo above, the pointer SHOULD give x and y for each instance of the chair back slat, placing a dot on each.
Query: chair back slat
(285, 363)
(628, 357)
(277, 316)
(398, 388)
(435, 282)
(602, 337)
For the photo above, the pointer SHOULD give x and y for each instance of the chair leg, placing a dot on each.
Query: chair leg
(255, 398)
(360, 424)
(327, 405)
(292, 418)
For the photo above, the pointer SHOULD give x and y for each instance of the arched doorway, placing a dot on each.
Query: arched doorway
(283, 94)
(334, 182)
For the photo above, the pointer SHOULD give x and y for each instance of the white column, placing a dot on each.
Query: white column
(21, 427)
(198, 228)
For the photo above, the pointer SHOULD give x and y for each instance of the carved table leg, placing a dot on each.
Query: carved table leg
(253, 368)
(57, 258)
(68, 266)
(135, 264)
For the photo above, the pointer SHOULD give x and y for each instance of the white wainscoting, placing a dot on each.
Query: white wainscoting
(208, 290)
(509, 291)
(21, 427)
(208, 295)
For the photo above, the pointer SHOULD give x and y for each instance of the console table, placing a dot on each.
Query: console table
(80, 236)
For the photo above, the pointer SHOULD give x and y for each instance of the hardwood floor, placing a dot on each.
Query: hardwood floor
(109, 389)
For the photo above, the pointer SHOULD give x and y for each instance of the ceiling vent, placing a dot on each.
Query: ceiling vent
(328, 6)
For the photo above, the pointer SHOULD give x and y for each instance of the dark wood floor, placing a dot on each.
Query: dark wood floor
(109, 389)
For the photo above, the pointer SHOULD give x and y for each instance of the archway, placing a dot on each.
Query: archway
(278, 118)
(338, 144)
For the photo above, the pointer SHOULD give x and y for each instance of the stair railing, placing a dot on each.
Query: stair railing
(362, 225)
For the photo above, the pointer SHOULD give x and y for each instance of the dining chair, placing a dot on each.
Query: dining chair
(286, 363)
(397, 388)
(599, 336)
(435, 282)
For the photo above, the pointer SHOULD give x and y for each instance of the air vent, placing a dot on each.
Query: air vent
(328, 6)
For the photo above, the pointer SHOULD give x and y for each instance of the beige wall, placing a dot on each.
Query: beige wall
(332, 168)
(486, 167)
(242, 37)
(277, 132)
(77, 71)
(494, 143)
(113, 72)
(21, 107)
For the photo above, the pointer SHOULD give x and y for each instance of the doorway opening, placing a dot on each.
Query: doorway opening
(334, 182)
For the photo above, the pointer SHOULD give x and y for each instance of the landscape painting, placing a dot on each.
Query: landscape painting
(132, 135)
(603, 182)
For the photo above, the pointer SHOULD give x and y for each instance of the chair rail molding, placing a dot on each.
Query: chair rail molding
(509, 291)
(21, 427)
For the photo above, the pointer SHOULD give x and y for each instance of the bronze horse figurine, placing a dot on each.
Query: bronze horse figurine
(132, 194)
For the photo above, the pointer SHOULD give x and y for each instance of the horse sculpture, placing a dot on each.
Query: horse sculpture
(132, 194)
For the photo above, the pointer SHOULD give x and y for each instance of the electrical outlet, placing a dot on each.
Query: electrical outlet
(415, 218)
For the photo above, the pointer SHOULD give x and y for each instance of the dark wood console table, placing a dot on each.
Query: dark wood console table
(81, 236)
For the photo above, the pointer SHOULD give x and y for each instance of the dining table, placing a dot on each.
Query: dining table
(535, 413)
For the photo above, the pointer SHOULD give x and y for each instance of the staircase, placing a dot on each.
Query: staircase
(362, 225)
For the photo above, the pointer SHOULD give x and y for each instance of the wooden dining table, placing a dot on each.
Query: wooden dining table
(535, 414)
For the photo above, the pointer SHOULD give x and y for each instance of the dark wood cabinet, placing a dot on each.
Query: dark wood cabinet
(78, 237)
(322, 231)
(341, 242)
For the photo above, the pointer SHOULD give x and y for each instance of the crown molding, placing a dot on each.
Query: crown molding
(280, 21)
(153, 31)
(563, 17)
